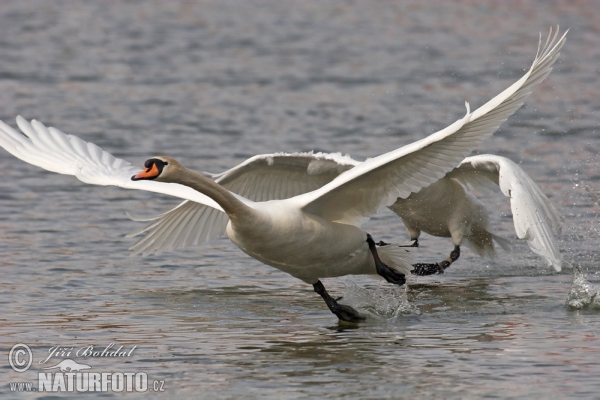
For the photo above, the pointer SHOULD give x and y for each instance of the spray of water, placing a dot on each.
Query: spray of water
(381, 301)
(583, 295)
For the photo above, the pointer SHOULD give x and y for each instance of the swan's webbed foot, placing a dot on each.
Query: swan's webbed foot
(390, 274)
(343, 312)
(436, 268)
(422, 269)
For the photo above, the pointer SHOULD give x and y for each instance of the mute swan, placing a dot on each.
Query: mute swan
(312, 235)
(445, 208)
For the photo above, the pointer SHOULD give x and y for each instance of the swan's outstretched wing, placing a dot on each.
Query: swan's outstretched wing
(50, 149)
(283, 175)
(260, 178)
(188, 224)
(378, 182)
(535, 218)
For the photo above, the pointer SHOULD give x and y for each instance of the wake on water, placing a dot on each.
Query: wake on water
(390, 301)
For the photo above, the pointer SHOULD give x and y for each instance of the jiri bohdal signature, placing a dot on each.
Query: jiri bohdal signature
(109, 351)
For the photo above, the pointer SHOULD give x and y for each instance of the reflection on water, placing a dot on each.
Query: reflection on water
(213, 83)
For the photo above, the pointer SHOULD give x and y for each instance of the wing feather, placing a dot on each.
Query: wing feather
(378, 182)
(187, 225)
(534, 217)
(260, 178)
(55, 151)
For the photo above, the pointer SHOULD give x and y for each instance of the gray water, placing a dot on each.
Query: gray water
(215, 82)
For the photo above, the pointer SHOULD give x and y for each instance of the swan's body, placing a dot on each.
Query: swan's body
(311, 235)
(448, 209)
(305, 244)
(278, 233)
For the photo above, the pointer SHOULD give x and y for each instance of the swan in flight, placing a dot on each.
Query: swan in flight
(312, 235)
(446, 208)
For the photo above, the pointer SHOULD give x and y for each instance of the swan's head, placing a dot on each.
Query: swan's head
(157, 168)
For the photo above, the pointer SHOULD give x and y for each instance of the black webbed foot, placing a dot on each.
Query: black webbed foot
(346, 313)
(389, 274)
(421, 269)
(342, 311)
(436, 268)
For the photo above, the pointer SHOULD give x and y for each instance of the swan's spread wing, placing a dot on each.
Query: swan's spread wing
(283, 175)
(50, 149)
(260, 178)
(378, 182)
(188, 224)
(535, 218)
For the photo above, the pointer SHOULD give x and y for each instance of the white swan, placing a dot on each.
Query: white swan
(312, 235)
(446, 208)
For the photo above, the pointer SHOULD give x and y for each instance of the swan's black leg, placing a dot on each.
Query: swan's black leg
(436, 268)
(343, 312)
(390, 274)
(414, 244)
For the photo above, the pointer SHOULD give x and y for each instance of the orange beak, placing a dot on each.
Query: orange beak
(149, 173)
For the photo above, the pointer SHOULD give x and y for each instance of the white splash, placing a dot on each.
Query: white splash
(583, 295)
(384, 300)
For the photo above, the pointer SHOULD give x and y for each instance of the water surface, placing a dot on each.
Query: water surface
(213, 83)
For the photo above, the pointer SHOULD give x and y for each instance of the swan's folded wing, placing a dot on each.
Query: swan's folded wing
(260, 178)
(535, 218)
(51, 149)
(378, 182)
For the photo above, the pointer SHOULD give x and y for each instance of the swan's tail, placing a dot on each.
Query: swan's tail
(399, 258)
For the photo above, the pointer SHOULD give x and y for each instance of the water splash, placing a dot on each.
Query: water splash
(583, 295)
(383, 300)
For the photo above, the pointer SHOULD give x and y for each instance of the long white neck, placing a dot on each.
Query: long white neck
(235, 208)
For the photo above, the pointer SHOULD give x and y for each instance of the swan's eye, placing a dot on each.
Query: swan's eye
(155, 161)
